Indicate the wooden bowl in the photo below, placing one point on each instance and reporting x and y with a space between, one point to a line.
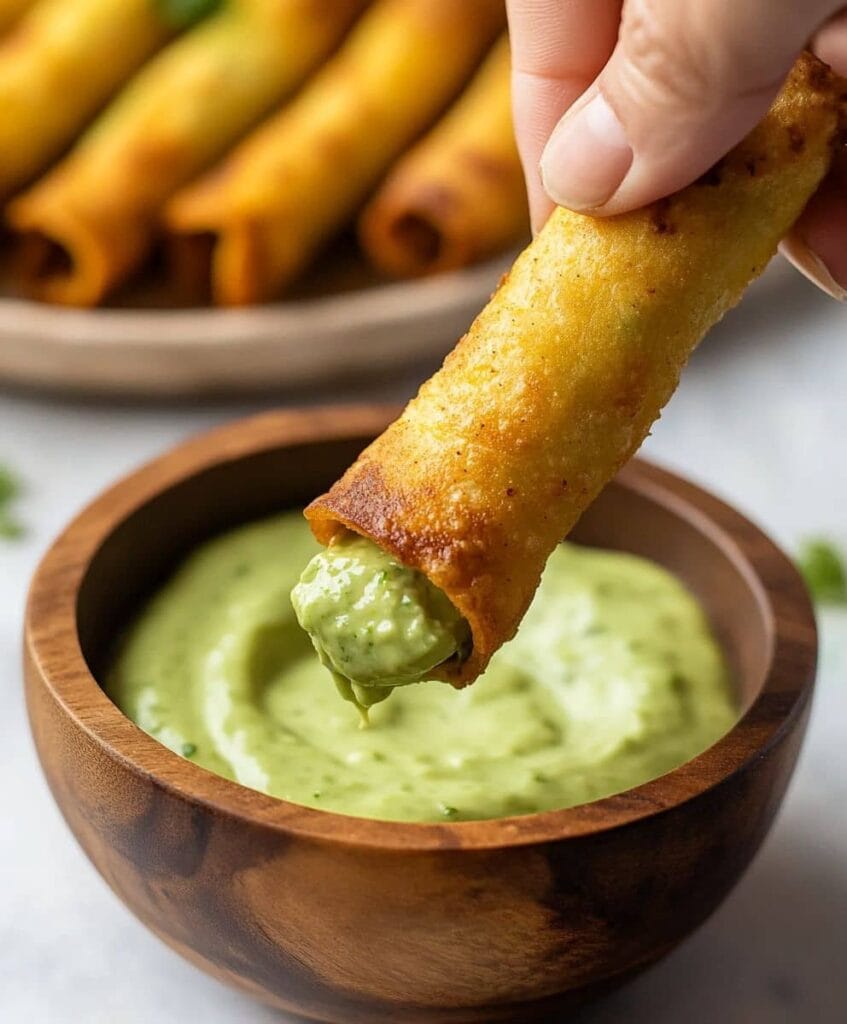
347 919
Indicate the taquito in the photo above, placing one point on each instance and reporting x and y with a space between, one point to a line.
11 10
90 221
560 377
280 194
58 65
459 195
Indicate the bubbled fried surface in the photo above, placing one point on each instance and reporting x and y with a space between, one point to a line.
558 380
458 196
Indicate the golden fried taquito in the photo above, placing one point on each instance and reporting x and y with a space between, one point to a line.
58 65
11 10
560 377
459 195
258 219
89 222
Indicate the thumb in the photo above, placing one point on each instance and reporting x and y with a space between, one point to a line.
688 79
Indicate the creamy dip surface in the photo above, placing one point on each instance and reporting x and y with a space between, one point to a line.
613 679
375 623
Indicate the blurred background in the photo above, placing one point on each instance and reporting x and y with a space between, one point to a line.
212 208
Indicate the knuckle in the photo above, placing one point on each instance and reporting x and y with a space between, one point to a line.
664 61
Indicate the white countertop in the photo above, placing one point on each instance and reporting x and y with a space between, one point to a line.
761 418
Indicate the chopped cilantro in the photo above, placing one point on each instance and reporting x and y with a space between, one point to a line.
822 565
180 14
189 749
448 812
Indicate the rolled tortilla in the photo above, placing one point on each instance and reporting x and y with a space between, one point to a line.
89 223
459 195
557 382
11 10
58 65
280 194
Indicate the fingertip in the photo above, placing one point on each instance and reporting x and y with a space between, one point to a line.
587 157
830 43
557 52
817 245
798 253
540 208
538 105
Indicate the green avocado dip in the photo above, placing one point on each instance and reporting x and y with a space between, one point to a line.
375 622
613 679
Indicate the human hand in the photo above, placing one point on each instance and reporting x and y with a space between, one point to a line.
619 103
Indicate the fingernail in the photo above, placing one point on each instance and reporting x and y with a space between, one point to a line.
586 157
799 255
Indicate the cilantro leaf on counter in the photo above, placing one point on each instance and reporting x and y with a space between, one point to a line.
823 567
10 488
180 14
10 529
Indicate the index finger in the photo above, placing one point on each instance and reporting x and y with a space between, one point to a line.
558 49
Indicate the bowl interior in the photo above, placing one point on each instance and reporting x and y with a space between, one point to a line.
634 513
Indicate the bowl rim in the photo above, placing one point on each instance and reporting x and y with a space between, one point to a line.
165 353
52 651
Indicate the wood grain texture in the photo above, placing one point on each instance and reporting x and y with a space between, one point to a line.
345 919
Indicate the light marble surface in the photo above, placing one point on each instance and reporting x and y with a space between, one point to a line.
761 417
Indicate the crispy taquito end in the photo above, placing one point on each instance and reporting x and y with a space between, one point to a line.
58 65
89 222
11 10
277 198
459 195
560 377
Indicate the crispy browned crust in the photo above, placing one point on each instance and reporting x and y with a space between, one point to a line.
560 377
88 223
303 173
11 10
59 63
458 196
